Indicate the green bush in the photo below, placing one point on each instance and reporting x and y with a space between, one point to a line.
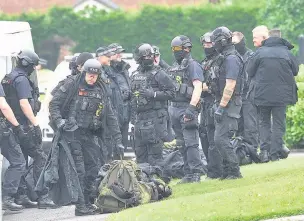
155 25
295 116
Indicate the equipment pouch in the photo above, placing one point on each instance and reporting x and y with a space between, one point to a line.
177 87
189 92
183 89
234 107
162 125
84 105
148 132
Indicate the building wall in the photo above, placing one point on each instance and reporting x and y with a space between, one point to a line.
91 3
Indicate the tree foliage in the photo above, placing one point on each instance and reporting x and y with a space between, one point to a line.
155 25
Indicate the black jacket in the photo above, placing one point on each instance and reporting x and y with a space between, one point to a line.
272 70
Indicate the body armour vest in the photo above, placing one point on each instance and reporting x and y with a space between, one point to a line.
89 107
181 78
12 98
146 80
217 80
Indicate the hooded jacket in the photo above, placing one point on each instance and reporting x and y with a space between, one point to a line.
272 70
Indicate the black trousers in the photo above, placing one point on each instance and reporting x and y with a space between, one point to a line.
272 129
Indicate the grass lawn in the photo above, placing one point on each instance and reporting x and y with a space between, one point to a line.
268 190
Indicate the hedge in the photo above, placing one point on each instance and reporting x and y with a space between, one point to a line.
155 25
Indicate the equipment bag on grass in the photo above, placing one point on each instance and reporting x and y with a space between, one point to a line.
122 187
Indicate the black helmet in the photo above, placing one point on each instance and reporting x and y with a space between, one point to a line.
92 66
222 35
206 38
28 57
83 57
156 50
72 63
143 50
181 41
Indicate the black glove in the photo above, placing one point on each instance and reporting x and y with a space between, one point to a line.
22 136
120 149
191 112
219 113
60 123
37 135
147 93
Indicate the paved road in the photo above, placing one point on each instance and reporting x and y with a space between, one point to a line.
62 214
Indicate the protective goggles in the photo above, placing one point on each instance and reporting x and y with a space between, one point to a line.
205 39
177 48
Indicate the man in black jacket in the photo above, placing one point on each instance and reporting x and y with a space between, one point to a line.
273 87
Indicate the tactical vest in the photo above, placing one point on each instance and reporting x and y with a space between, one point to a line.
12 98
181 78
211 72
89 108
145 80
217 79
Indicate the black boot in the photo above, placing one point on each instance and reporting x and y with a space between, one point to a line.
9 204
186 179
264 156
25 201
44 202
196 178
82 210
284 152
234 177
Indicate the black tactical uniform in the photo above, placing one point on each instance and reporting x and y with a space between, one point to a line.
11 150
207 126
89 113
184 72
226 125
18 86
151 89
248 123
121 94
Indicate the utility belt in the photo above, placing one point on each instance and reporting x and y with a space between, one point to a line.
154 105
146 115
179 104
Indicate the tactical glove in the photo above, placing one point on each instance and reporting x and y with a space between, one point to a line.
219 113
37 135
147 93
60 123
19 132
191 112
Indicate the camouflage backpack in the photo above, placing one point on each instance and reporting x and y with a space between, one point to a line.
122 188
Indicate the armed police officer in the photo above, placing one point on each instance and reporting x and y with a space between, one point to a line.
248 123
22 96
151 89
207 126
89 113
187 75
228 97
121 93
103 55
11 150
